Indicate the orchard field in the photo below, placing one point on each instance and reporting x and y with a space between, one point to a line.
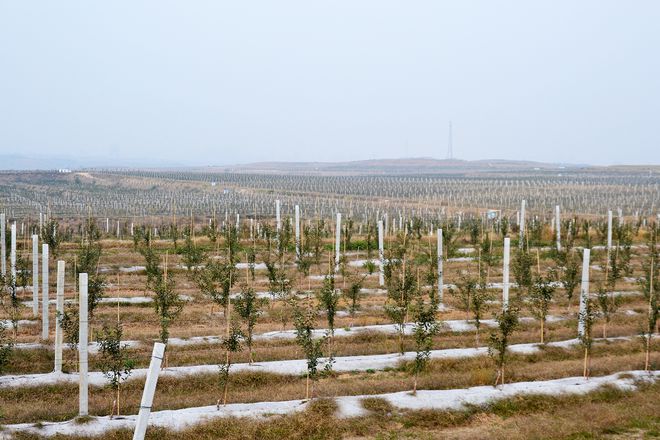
477 305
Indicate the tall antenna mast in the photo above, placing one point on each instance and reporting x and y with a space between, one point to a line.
450 147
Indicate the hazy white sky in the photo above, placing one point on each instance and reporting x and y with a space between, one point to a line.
221 82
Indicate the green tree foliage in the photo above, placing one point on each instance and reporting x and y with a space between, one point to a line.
426 327
540 299
466 287
353 294
50 234
328 298
587 316
232 343
114 360
191 254
401 287
87 261
313 348
608 305
523 261
215 280
570 275
507 323
649 285
6 346
249 308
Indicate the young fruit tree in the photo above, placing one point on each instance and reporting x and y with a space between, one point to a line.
608 305
540 298
328 298
9 301
507 322
522 270
587 317
478 303
87 261
249 309
167 304
215 280
113 360
313 348
649 285
6 345
232 343
570 275
52 236
426 327
353 295
466 286
401 286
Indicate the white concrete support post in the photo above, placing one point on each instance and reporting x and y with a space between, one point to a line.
149 391
505 273
35 275
44 291
337 241
3 244
558 227
238 222
609 229
440 273
83 385
278 220
297 219
381 254
522 223
59 307
584 291
107 225
12 254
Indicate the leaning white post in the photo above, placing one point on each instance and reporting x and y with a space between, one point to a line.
149 390
3 245
440 279
35 275
381 254
505 273
337 240
558 227
297 232
12 254
59 308
584 291
82 346
44 291
609 229
522 223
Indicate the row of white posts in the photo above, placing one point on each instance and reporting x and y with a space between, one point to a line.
83 335
83 342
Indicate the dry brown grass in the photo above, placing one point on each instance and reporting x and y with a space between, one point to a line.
26 404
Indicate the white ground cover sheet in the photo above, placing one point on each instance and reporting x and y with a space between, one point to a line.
348 406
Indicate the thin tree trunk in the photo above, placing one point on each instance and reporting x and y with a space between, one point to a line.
584 369
307 386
